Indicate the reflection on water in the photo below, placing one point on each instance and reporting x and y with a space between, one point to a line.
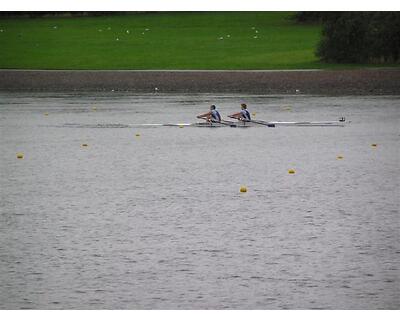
153 218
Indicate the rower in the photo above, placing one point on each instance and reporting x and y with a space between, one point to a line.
243 115
211 116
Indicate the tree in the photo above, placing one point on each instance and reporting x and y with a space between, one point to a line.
360 37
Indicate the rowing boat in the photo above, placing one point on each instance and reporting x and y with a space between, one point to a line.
241 124
234 124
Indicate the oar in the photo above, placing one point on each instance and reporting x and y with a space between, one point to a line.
227 123
264 123
224 122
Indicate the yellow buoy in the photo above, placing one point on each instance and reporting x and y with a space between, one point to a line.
339 157
84 144
94 108
253 114
46 114
374 145
291 171
181 126
243 189
20 155
137 134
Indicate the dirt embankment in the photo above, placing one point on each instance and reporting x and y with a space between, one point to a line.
332 82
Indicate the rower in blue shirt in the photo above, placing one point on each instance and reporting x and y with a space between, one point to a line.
243 115
211 116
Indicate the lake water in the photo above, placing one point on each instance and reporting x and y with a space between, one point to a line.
157 221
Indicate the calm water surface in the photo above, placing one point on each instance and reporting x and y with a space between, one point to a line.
157 221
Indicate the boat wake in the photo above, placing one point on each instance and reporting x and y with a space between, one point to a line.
98 125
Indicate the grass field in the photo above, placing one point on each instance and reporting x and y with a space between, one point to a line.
198 40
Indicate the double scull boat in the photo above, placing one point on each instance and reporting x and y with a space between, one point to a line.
250 123
233 124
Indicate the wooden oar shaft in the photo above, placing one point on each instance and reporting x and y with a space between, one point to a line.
224 122
264 123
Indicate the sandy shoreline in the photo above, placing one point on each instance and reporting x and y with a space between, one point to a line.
332 82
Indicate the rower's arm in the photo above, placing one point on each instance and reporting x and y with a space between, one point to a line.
235 115
207 115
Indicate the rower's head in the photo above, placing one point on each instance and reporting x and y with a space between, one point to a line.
244 106
212 107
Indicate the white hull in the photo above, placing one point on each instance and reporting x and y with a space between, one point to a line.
263 124
227 124
310 123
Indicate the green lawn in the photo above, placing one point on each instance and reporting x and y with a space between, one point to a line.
197 40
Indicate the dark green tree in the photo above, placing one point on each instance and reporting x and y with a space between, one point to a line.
360 37
383 36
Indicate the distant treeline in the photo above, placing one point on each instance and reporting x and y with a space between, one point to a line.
356 37
309 16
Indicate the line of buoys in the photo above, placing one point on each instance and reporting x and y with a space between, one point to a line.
20 155
292 171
